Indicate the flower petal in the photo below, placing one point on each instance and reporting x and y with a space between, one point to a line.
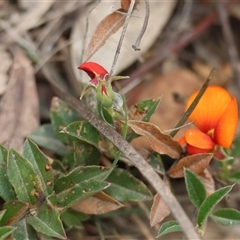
210 108
196 138
93 69
194 150
227 125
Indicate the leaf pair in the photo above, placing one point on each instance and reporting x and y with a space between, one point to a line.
205 204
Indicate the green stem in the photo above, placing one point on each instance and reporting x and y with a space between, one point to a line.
192 106
99 228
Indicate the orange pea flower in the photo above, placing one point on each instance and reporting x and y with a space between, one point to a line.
216 117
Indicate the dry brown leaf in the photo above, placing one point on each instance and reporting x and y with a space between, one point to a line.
159 142
159 209
99 203
196 163
19 108
207 179
106 28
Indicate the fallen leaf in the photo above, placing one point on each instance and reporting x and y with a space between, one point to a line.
196 163
207 179
107 27
161 143
99 203
159 209
19 110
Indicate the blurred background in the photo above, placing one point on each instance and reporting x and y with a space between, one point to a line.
184 41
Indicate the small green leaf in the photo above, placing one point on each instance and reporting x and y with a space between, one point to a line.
3 154
169 227
235 148
6 189
1 214
47 222
81 174
79 191
14 211
235 177
45 137
61 116
82 154
23 178
84 131
210 202
155 161
125 187
6 231
24 231
226 217
73 218
41 166
195 188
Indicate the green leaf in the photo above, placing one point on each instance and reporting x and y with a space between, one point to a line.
169 227
235 177
82 154
235 148
6 231
45 137
84 131
195 188
125 187
3 154
79 191
24 231
81 174
226 217
73 218
2 214
6 189
23 178
155 161
47 222
14 211
143 111
80 184
210 202
61 116
40 165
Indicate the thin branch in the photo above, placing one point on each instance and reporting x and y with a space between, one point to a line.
144 27
127 150
129 13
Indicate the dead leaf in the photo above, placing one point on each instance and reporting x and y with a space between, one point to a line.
159 142
19 109
207 179
99 203
106 28
159 209
196 163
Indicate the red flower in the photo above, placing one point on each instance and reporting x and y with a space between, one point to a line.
95 71
216 117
